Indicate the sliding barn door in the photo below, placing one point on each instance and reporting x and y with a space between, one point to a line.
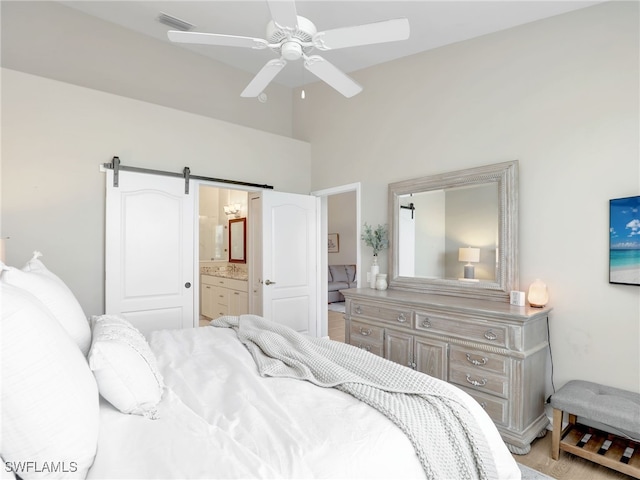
285 257
149 257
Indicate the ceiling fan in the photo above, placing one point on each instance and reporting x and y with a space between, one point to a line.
293 37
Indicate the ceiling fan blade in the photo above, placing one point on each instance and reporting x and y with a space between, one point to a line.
283 13
216 39
368 34
263 78
331 75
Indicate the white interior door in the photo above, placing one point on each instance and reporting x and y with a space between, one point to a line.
285 258
149 251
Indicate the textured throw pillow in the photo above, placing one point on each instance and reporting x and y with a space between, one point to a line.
49 398
55 295
124 366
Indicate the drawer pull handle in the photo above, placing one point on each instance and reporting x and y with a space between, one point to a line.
426 323
489 335
358 309
364 332
402 318
476 383
412 365
482 361
483 405
365 347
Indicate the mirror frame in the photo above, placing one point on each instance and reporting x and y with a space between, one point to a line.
243 222
506 176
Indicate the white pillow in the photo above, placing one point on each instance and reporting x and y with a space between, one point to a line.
124 366
49 398
55 295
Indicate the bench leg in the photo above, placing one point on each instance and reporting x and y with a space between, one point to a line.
555 434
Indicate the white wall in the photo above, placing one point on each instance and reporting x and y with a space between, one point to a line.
52 40
560 95
341 219
56 135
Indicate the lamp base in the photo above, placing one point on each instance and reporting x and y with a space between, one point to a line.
469 271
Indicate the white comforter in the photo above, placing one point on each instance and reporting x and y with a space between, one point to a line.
220 419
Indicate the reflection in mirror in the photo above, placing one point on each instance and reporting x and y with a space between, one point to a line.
238 240
456 233
211 239
434 225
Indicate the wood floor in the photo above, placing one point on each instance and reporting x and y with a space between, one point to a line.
567 467
336 326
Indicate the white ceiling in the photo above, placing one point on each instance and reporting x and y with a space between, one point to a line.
433 24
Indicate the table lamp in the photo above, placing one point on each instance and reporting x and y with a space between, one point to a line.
470 255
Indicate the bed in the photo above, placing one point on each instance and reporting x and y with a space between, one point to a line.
97 400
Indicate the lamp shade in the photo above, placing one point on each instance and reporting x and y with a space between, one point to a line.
538 294
469 254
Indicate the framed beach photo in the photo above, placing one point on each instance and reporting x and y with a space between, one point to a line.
624 240
334 246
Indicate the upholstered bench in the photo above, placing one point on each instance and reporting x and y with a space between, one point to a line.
611 407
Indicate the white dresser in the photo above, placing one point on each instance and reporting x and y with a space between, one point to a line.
494 351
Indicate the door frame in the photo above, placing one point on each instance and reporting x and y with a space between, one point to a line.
196 183
324 194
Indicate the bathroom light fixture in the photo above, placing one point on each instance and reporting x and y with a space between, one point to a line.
233 209
469 255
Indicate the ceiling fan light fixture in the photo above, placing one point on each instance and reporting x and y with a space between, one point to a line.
291 50
293 37
175 23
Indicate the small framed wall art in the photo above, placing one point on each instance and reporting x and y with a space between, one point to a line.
334 245
624 240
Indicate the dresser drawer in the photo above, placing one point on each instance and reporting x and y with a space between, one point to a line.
375 348
474 331
386 314
481 381
497 408
478 361
368 333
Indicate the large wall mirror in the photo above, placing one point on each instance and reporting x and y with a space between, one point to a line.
238 240
456 233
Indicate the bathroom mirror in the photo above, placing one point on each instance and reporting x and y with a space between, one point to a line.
238 240
456 233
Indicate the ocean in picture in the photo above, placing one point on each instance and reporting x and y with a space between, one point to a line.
624 266
624 240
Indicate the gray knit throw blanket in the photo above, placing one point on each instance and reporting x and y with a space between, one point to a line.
444 434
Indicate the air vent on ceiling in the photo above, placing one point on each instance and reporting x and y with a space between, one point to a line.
174 22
